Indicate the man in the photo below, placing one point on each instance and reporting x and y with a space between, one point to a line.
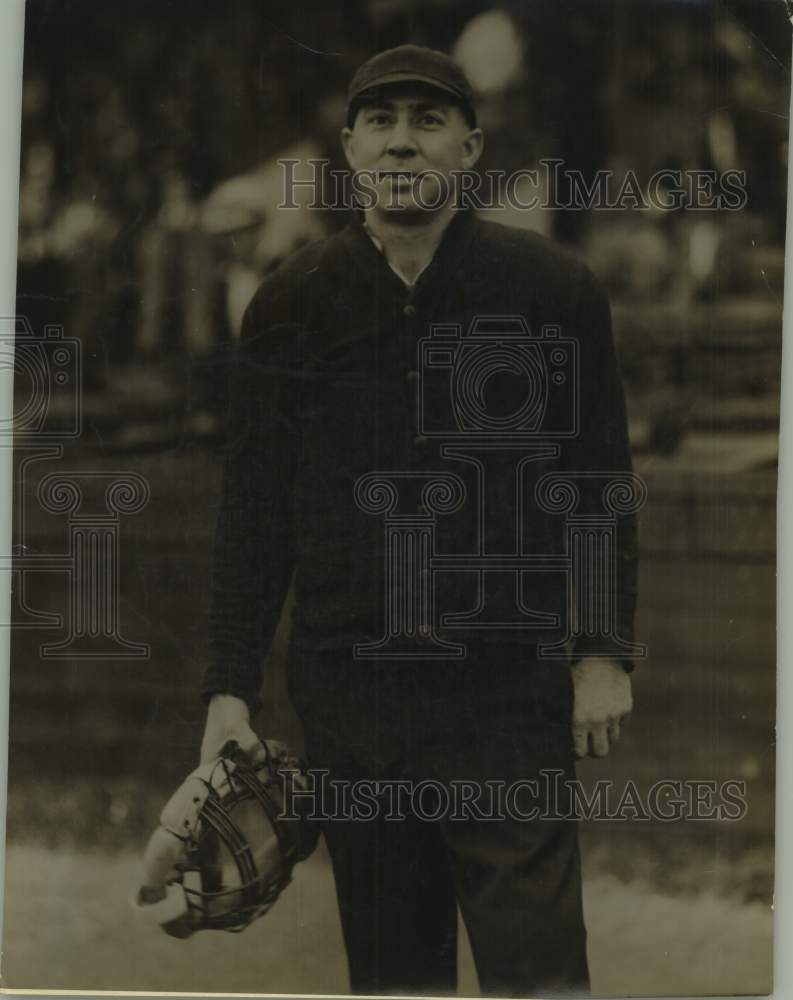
325 399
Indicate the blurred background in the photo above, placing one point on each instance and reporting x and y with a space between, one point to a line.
149 187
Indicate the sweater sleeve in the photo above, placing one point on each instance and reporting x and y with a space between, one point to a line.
602 445
254 550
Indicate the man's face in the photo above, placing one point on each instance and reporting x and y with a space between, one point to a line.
411 138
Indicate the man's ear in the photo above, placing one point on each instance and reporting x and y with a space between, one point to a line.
348 145
473 144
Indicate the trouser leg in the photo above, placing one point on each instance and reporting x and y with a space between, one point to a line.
396 898
519 888
518 878
397 906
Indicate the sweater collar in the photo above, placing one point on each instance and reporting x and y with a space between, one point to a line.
409 285
452 250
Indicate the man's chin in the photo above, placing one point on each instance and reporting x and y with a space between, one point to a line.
401 206
406 203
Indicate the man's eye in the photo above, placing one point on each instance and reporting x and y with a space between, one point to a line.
378 118
431 119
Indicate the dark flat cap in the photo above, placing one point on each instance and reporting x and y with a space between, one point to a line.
412 64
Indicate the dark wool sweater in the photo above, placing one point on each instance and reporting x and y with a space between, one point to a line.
327 388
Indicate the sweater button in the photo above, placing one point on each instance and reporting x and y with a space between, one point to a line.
413 376
409 311
421 441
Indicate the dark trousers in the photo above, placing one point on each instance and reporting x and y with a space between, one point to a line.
470 730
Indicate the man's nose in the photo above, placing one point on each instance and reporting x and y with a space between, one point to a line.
401 141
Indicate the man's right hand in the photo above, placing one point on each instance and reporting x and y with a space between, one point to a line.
228 718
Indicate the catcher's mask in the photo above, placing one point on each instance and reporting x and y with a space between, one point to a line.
223 851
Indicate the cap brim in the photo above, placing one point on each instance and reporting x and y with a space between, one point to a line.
405 76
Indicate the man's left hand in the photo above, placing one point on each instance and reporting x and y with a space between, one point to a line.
603 699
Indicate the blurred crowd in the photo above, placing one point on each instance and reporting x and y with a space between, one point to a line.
149 178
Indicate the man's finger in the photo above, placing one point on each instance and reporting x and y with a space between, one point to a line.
614 730
581 740
216 737
600 740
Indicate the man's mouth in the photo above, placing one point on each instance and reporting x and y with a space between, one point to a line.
398 176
